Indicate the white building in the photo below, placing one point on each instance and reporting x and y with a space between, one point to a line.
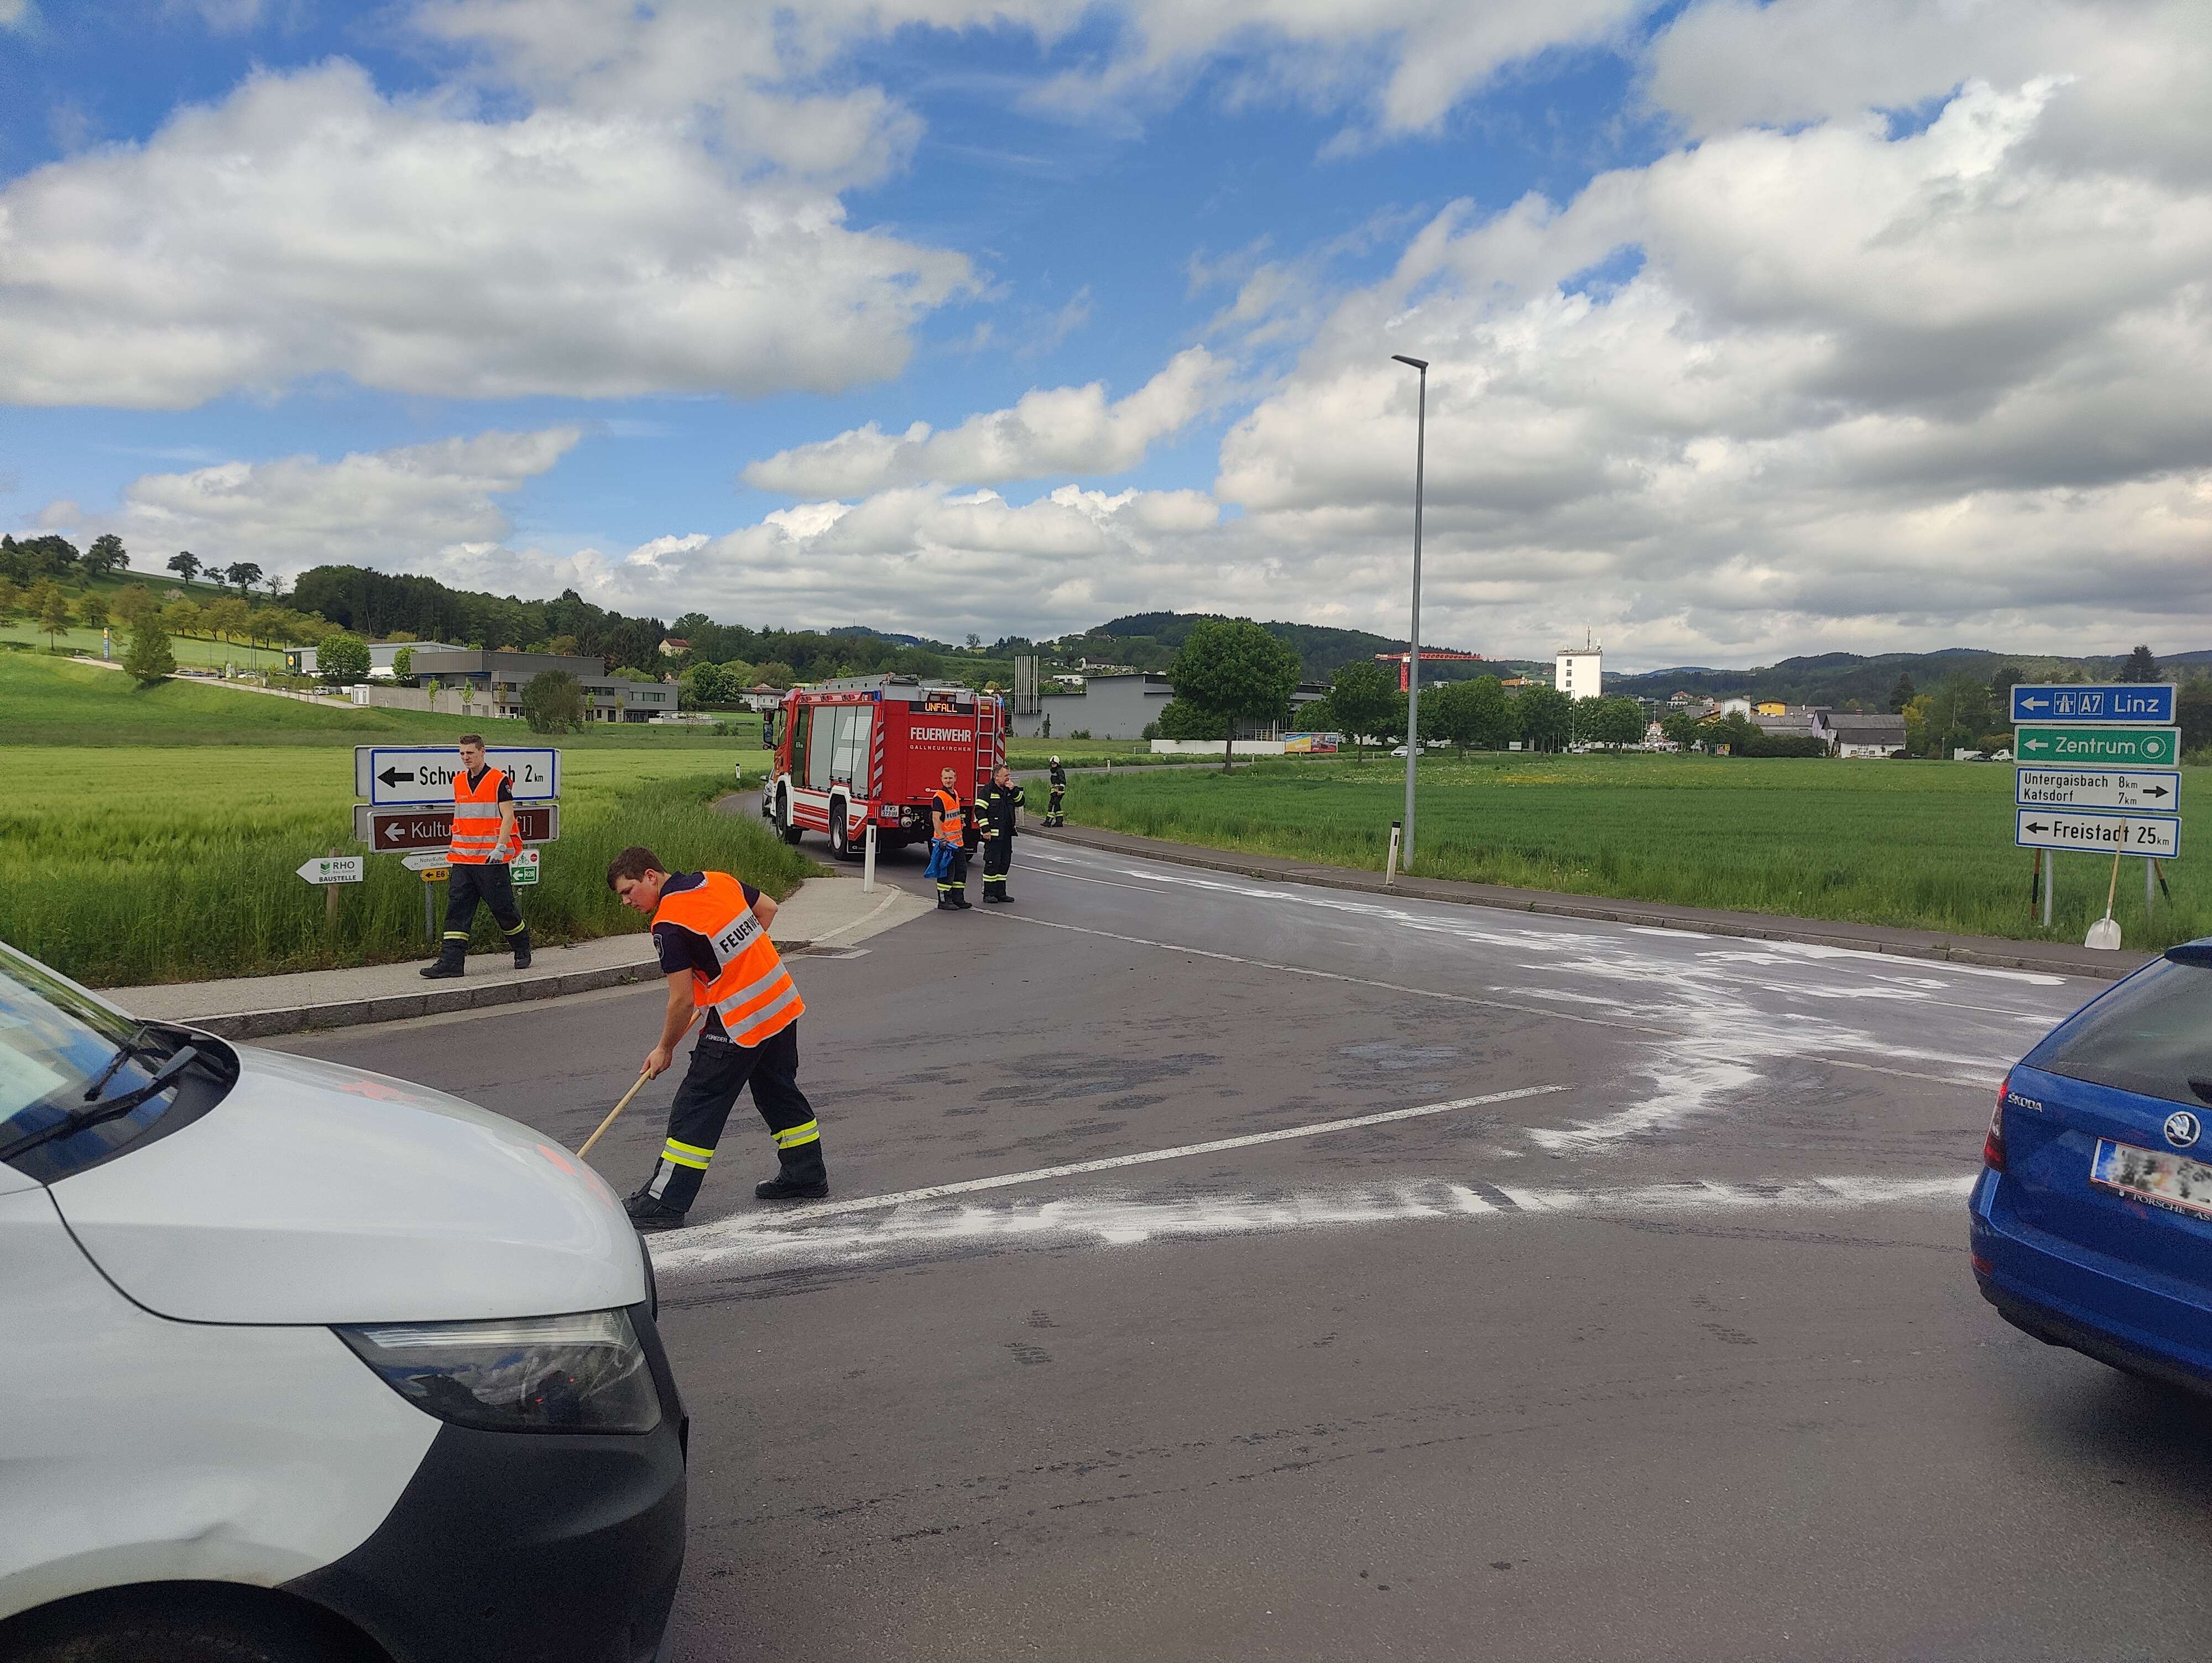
1577 670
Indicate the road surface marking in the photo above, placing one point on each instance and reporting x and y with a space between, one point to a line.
916 1229
1337 975
1107 1164
870 917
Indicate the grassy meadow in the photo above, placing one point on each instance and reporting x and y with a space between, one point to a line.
152 837
1918 845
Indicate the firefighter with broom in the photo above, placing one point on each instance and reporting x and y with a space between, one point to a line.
710 931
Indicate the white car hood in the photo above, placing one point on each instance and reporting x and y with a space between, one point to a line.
314 1194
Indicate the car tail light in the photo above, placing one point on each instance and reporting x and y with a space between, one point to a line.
1993 1145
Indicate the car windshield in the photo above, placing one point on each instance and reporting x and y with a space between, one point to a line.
55 1044
2151 1035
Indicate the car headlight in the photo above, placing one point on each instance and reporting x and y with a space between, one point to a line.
585 1373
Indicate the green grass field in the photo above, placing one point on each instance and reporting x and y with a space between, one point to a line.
1918 845
154 836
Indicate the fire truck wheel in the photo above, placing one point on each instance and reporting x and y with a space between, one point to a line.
840 836
784 822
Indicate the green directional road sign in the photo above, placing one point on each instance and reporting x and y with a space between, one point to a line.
2108 747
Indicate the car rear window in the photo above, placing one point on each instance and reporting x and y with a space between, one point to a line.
2152 1034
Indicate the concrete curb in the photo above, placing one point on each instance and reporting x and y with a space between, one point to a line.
432 1001
1990 952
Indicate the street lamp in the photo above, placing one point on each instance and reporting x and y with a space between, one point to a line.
1414 642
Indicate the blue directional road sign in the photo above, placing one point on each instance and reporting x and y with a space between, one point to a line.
2148 702
404 774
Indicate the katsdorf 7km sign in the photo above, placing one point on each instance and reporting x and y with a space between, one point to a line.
2147 703
2158 835
386 830
2139 791
425 773
2101 747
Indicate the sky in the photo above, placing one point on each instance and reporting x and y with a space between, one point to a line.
1755 330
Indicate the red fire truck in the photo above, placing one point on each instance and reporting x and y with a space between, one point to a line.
870 749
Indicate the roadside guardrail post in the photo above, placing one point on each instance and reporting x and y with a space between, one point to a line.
1390 865
868 862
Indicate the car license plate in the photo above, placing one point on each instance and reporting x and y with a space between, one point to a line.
2172 1181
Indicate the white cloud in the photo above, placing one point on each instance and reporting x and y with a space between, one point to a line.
308 225
1860 390
1056 430
386 508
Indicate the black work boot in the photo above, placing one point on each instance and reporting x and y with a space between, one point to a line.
800 1176
944 901
648 1213
448 966
522 950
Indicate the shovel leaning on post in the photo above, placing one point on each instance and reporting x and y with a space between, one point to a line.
2105 934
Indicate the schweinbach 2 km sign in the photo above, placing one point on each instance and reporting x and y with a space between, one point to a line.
402 776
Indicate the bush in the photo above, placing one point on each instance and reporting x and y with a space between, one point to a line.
149 659
1084 732
553 702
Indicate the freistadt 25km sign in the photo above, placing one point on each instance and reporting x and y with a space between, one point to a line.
2102 747
2158 835
2148 702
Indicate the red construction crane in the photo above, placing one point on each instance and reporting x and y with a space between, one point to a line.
1429 655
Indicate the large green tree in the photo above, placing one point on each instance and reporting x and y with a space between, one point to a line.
1233 669
1360 696
1497 720
2140 667
148 657
186 564
53 611
106 556
1548 717
340 659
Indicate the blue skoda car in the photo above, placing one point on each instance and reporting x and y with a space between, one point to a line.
2092 1221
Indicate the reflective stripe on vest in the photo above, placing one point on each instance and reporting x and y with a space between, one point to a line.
956 823
476 821
750 991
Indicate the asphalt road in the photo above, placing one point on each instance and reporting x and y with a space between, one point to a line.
1652 1337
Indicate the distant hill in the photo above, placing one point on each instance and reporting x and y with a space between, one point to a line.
1845 679
1150 641
861 632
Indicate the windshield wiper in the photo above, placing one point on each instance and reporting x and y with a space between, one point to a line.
78 1120
135 1047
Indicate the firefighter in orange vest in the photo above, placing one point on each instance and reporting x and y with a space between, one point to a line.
484 839
948 827
710 931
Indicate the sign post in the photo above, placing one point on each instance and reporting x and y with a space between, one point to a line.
2097 768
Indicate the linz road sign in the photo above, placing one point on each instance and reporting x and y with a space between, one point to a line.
2140 791
425 773
2158 835
2099 747
2147 703
386 830
338 869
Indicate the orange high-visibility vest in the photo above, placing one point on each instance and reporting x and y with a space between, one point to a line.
956 823
750 990
476 838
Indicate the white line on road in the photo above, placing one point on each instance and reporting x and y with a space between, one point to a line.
1113 1221
931 1192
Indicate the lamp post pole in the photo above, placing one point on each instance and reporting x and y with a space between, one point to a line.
1413 640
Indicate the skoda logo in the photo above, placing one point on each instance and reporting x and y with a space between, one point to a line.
2182 1129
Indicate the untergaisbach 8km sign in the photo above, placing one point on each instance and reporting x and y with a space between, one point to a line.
2142 791
404 774
2101 747
2150 703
